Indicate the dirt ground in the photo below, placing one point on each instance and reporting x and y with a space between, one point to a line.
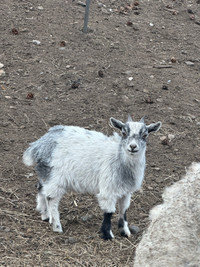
140 57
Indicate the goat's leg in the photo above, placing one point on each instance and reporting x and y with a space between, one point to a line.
108 207
53 195
124 203
106 227
42 206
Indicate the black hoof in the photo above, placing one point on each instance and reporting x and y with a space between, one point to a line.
122 233
46 220
106 236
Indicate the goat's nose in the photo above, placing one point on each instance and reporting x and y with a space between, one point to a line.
133 147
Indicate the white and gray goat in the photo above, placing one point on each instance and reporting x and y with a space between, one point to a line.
70 158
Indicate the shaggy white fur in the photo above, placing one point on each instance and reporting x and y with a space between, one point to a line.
173 236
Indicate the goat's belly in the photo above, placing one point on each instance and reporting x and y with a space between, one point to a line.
83 185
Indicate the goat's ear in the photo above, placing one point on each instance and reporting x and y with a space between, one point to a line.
116 123
154 127
129 118
142 120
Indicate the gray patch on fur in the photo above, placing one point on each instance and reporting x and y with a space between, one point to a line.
43 170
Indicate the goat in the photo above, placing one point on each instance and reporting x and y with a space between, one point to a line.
71 158
173 236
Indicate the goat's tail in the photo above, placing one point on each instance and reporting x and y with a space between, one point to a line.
28 157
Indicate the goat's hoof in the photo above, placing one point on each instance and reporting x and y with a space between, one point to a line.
57 228
107 235
46 220
122 233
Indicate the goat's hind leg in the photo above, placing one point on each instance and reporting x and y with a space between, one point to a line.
42 204
53 198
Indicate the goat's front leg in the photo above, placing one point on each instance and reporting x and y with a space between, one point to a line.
108 207
106 227
124 204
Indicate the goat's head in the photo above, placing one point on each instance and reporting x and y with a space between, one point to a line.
134 134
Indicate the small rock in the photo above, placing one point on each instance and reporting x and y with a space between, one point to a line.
164 87
174 12
100 5
100 73
71 240
135 27
165 141
2 73
40 7
15 31
183 52
192 17
85 218
128 72
160 100
30 96
189 63
36 42
129 23
149 100
190 11
134 229
173 60
1 65
62 43
130 78
151 24
171 137
8 97
81 4
75 84
104 11
7 229
131 84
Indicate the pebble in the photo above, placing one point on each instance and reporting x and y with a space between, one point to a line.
151 24
36 42
100 73
164 87
81 4
71 240
40 7
1 65
100 5
2 73
131 84
134 229
85 218
189 63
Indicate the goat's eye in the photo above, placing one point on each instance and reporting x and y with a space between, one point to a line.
144 136
124 134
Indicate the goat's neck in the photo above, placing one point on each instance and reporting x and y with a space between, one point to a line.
131 160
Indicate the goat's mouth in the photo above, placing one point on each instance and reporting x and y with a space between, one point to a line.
132 152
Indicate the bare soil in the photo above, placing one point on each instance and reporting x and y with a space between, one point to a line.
140 58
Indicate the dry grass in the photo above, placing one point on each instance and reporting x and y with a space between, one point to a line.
27 241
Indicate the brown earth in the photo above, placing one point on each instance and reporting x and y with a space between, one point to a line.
150 41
